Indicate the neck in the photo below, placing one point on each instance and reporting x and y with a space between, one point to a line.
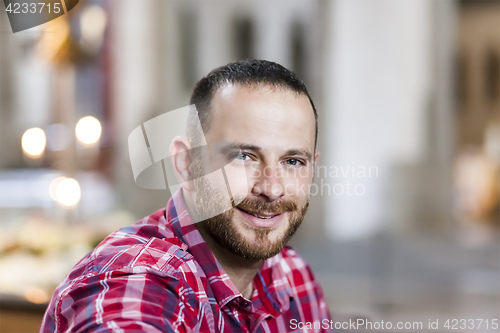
241 271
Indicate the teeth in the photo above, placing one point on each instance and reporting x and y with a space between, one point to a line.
263 217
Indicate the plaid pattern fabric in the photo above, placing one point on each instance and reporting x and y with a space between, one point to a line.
159 275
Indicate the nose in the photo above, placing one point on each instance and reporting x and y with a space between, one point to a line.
269 183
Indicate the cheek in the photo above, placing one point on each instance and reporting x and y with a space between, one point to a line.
297 184
238 182
214 183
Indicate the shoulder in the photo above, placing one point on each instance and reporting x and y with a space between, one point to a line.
296 268
143 269
289 252
148 246
292 260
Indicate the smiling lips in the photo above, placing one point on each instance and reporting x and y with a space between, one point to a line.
261 219
262 215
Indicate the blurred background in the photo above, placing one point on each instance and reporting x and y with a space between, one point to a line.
404 225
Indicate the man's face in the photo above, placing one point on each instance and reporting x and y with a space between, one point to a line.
268 133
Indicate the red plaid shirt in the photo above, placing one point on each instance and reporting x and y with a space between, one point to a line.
159 275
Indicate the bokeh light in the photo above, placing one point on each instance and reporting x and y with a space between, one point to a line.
53 187
36 295
92 24
88 130
65 191
33 142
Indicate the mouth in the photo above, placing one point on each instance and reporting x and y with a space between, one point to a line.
261 219
260 215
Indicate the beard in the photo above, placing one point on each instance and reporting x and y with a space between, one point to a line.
222 227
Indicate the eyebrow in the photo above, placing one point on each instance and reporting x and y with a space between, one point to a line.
303 152
240 146
290 152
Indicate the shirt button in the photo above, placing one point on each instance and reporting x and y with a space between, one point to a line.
245 304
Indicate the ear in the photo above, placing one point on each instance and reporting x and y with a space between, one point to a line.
181 161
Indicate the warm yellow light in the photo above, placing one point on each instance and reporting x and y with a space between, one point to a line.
36 295
33 142
88 130
65 191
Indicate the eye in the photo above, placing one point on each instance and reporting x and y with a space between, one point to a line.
242 157
293 161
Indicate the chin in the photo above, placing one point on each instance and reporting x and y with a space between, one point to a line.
261 243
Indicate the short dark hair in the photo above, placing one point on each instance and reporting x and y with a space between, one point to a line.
249 72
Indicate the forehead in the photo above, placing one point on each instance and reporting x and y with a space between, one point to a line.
265 116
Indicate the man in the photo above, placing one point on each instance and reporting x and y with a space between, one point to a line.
216 259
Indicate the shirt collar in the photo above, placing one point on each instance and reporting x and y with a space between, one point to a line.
223 288
271 273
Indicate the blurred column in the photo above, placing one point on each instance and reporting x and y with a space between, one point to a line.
273 24
214 30
377 90
174 62
442 119
136 90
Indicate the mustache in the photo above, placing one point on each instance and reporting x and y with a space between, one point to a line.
260 206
